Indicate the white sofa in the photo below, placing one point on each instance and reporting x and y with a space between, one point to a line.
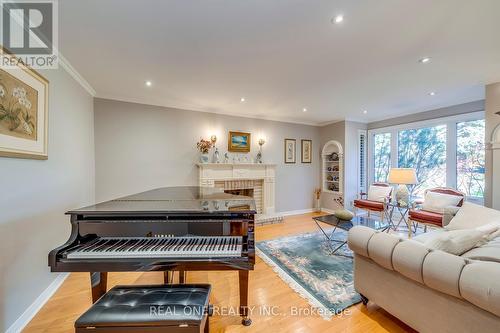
429 290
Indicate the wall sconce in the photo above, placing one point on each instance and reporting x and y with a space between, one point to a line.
213 138
258 159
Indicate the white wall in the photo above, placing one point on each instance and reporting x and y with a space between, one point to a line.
35 194
351 161
492 106
140 147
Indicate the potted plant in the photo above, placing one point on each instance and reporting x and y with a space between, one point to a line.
204 146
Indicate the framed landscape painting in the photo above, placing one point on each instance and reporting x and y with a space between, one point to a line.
290 150
306 151
238 142
23 112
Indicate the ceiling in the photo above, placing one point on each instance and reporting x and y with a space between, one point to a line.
285 55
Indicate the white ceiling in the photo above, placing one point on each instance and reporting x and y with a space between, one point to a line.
284 55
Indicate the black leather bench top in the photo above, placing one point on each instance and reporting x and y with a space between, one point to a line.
152 305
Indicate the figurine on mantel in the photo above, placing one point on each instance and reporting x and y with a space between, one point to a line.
216 156
226 158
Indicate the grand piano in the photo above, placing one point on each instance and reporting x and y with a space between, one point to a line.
167 229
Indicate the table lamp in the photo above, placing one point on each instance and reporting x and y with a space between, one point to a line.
402 177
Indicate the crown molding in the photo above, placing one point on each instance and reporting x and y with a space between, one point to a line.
75 75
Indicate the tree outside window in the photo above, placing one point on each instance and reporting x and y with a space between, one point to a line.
381 156
425 150
471 157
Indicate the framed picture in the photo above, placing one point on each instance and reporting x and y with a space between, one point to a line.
23 112
306 149
238 142
290 150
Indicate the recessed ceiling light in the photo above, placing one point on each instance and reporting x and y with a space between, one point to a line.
242 99
432 93
425 60
304 110
149 83
365 111
338 19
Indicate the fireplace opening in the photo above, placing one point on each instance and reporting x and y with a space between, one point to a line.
242 191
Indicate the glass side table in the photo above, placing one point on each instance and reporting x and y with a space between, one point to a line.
336 223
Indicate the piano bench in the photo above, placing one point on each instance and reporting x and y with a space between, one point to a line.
176 308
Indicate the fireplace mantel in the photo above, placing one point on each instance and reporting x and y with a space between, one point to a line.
210 173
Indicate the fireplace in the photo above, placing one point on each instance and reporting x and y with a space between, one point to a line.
250 179
249 188
248 192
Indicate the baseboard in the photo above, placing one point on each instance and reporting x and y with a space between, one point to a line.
326 210
295 212
33 309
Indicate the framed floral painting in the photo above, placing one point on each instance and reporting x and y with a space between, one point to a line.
23 112
290 150
306 151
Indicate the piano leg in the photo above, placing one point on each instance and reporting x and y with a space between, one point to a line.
243 275
182 277
98 282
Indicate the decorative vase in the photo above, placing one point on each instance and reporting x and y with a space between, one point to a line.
317 205
204 157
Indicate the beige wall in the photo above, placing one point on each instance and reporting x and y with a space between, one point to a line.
140 147
35 195
492 105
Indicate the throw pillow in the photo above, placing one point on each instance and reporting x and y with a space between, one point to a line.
457 241
473 216
437 202
378 193
343 214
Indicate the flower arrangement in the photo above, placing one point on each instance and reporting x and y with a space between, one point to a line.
317 193
204 146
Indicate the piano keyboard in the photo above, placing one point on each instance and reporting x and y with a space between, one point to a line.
159 247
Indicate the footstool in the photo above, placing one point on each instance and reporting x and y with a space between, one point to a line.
177 308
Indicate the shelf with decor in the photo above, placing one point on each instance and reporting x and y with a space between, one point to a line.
332 158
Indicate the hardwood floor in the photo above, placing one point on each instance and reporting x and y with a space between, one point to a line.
266 289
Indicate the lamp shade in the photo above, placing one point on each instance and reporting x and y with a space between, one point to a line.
406 176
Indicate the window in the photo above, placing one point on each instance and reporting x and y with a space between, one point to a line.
425 150
381 156
470 157
448 151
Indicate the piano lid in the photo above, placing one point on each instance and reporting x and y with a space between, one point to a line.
183 199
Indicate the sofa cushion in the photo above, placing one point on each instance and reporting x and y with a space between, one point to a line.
372 205
441 271
480 285
436 202
487 252
425 216
456 241
473 216
424 237
358 238
381 247
408 257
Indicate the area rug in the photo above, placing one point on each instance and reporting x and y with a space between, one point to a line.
304 262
